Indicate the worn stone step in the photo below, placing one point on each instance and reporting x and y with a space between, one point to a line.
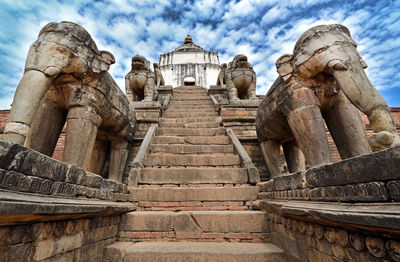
192 251
164 131
242 193
192 160
190 107
205 110
194 102
190 119
192 140
207 140
190 125
168 140
191 98
191 149
193 175
189 114
199 221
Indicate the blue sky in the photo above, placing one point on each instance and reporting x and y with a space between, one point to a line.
261 29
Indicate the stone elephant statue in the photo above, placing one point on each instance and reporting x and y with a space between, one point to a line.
324 79
140 82
66 81
221 75
240 79
159 79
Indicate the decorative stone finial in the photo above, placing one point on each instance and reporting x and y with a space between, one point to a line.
188 40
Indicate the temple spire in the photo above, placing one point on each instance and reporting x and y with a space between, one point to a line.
188 40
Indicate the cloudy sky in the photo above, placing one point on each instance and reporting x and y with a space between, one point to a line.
261 29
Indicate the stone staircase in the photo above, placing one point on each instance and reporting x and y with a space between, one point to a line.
194 200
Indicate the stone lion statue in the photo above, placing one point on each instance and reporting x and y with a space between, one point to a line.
159 80
221 75
140 81
240 79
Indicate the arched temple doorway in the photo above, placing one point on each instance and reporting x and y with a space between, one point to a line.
189 81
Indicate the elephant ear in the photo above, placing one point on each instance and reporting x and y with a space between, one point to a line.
285 67
102 63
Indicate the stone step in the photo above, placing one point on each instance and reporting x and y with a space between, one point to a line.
190 125
193 175
192 160
165 131
196 222
190 98
190 107
196 103
191 89
189 119
242 193
201 110
191 149
193 140
194 93
188 114
192 251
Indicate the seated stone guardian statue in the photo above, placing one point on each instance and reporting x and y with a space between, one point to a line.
221 75
140 82
159 79
240 79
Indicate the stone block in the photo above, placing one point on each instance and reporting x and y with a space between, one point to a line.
291 181
147 221
50 247
111 186
92 180
116 251
192 160
193 175
379 166
20 182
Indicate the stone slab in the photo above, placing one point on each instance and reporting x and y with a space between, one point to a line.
195 194
189 114
379 166
203 252
168 140
207 221
192 160
164 131
207 140
190 125
190 119
17 207
382 217
193 175
191 149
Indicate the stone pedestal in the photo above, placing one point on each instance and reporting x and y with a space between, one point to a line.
220 93
163 92
147 113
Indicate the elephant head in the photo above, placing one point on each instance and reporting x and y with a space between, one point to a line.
330 49
63 47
